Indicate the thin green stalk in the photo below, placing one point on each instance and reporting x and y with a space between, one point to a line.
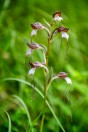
9 121
45 86
48 51
44 105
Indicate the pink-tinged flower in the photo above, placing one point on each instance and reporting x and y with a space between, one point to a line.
63 31
63 75
57 16
35 66
37 26
34 46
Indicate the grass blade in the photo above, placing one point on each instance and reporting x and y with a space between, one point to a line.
26 109
39 92
9 120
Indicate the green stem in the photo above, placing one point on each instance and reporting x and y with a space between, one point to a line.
48 50
45 86
44 105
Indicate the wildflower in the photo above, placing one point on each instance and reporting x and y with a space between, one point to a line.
64 31
35 66
34 46
63 75
37 26
57 16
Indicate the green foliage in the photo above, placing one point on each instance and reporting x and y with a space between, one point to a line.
70 105
9 120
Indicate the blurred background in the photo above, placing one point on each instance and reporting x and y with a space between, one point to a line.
70 104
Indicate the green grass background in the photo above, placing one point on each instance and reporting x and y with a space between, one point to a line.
70 105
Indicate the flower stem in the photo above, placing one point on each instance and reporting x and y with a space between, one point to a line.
44 105
45 86
48 50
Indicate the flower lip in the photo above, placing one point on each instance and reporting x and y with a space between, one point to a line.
57 13
62 75
62 29
37 25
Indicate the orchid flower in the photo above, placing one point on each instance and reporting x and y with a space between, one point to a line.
34 46
63 75
64 31
57 16
37 26
35 66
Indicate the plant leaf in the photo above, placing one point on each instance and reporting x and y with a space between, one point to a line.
39 92
9 121
26 109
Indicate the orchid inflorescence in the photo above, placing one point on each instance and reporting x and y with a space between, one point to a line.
34 46
48 73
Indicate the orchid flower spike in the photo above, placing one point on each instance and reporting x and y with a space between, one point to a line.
35 66
63 75
37 26
34 46
63 31
57 16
